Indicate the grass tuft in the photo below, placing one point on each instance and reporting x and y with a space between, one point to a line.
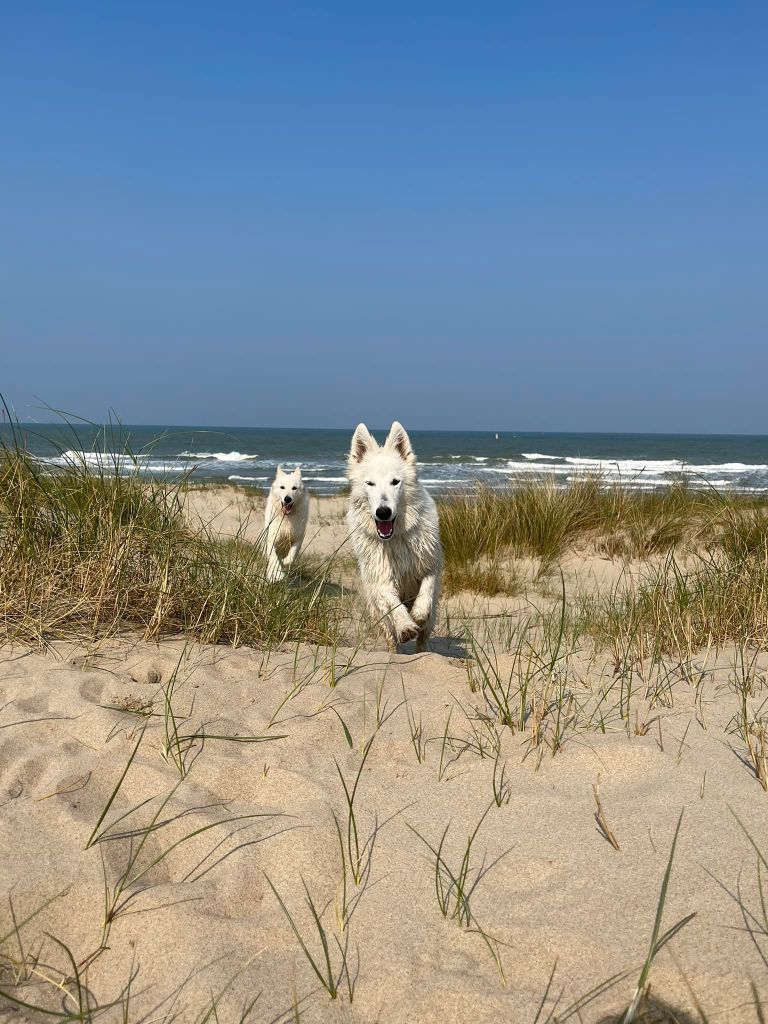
87 555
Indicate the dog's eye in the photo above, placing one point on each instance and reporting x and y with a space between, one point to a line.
370 483
394 482
282 487
293 488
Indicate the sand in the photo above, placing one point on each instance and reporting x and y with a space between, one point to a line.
204 919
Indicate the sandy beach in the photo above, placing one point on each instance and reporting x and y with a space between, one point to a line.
168 811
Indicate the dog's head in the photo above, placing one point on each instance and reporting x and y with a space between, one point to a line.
287 490
382 477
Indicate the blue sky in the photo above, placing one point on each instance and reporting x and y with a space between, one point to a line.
531 216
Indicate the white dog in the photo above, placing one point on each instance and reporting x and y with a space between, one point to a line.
285 521
395 532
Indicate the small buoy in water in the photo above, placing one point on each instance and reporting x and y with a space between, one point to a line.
497 437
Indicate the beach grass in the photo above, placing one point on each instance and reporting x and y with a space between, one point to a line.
88 554
709 600
483 529
694 564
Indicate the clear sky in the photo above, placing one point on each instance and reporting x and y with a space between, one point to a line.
518 215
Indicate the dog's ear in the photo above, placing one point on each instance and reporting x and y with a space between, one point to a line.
362 443
399 440
297 472
279 470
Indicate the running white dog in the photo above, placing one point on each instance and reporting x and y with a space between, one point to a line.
395 532
285 521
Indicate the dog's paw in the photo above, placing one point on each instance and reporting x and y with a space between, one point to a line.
406 633
420 615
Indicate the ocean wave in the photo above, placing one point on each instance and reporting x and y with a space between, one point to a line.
324 470
109 463
631 472
97 459
218 456
525 468
663 466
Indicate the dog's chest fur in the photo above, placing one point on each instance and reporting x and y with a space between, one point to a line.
285 530
412 553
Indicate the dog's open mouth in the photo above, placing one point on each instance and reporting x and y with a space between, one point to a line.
287 509
385 529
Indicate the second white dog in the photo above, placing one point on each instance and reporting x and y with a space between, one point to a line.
285 521
395 532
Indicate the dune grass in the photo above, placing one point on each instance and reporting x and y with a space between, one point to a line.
87 554
702 577
716 598
484 528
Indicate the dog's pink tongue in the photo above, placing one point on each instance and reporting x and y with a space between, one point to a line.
385 529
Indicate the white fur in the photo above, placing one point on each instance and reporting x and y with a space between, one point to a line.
284 534
401 575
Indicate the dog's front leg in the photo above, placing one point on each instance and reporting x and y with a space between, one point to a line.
292 553
425 607
389 605
274 568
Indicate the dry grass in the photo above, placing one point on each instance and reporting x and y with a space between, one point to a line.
482 577
602 822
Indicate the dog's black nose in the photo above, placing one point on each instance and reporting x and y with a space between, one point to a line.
383 513
287 500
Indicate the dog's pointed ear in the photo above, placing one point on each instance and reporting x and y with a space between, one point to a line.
399 440
362 443
279 470
297 472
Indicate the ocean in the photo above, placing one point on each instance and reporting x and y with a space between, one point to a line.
449 460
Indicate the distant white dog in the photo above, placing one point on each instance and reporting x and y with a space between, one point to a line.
395 532
285 521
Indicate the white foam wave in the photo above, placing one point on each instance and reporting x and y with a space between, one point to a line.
99 460
446 473
218 456
530 468
444 480
631 472
652 466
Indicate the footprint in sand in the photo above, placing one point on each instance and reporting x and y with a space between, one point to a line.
92 689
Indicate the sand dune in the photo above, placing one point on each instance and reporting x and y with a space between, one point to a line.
553 893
